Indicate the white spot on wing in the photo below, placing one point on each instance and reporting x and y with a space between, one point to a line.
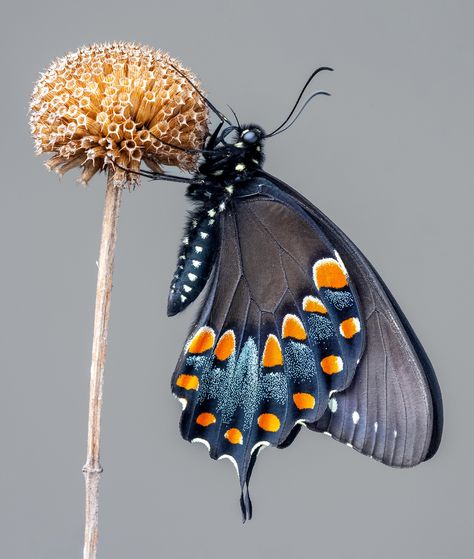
196 263
197 248
355 417
332 405
192 277
376 426
204 235
187 288
202 441
182 401
232 459
341 263
259 447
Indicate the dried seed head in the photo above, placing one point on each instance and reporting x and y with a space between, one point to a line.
113 103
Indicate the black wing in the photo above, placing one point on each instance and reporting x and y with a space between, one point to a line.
393 409
281 333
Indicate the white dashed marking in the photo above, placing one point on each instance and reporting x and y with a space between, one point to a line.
332 404
202 441
232 459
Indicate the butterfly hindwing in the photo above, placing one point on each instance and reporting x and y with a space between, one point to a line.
280 329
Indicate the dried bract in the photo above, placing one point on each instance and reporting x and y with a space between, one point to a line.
111 104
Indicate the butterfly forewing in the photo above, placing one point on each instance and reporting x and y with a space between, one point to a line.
392 410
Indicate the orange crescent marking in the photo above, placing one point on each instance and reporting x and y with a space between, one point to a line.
304 401
349 327
202 341
313 304
272 355
329 273
268 422
188 382
293 328
205 419
225 346
234 436
331 364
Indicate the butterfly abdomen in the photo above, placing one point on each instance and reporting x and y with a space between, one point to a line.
195 260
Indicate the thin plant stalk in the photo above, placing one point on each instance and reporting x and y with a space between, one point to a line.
92 468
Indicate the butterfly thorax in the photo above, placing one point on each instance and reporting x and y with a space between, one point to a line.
229 159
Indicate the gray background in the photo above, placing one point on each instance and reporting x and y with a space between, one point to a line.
388 157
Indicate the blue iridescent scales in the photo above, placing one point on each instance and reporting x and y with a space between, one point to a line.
238 398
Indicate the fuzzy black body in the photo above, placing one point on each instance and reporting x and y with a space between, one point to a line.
225 167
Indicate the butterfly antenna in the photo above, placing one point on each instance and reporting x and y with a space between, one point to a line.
308 81
235 116
221 116
310 98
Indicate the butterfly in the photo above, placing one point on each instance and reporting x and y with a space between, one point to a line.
296 326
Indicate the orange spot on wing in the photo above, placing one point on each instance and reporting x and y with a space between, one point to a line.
329 273
225 346
205 419
313 304
304 401
272 352
349 327
332 364
202 341
293 328
234 436
268 422
188 382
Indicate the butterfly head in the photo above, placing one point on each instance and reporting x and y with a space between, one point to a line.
252 135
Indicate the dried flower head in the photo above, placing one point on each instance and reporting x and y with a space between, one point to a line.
109 104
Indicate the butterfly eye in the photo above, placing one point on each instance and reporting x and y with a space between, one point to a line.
250 137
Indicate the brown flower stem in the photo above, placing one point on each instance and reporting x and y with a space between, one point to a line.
92 468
